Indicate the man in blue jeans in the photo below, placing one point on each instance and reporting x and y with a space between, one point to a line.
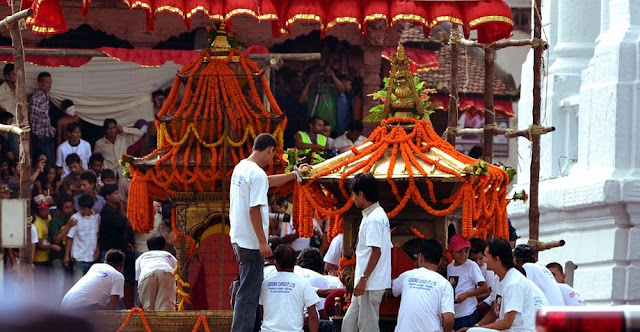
248 215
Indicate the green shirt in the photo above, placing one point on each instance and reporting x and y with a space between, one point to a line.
55 228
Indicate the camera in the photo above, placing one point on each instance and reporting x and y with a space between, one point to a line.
284 217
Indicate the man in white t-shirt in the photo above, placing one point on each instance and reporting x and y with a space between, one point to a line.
525 256
516 302
373 258
353 137
333 255
570 296
467 281
249 219
286 295
427 297
102 286
154 273
74 144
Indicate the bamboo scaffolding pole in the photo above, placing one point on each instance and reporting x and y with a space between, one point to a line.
489 114
534 43
534 180
10 20
11 129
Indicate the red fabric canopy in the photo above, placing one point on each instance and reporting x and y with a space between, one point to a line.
419 60
144 57
491 18
474 105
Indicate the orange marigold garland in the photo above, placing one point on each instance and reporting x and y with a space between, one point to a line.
145 323
482 197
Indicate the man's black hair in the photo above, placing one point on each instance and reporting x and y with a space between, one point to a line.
8 68
107 174
89 176
367 184
500 248
431 250
312 121
477 245
66 104
114 257
107 121
524 253
264 141
475 152
157 242
96 157
157 93
85 201
5 116
43 75
555 265
108 189
72 158
285 256
520 269
274 242
72 126
311 258
355 125
63 198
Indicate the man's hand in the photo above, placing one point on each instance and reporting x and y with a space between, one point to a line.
66 261
72 222
461 298
55 247
360 287
464 329
265 250
304 169
119 129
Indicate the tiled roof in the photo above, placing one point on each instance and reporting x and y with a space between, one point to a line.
470 75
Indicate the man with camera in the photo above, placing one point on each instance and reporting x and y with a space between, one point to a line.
321 91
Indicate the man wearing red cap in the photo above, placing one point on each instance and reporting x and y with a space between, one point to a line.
467 282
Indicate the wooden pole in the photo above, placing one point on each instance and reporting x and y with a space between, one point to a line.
22 113
534 42
534 212
10 20
489 115
225 201
452 119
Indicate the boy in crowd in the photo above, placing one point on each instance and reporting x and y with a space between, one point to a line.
525 256
74 164
477 255
88 187
373 257
41 256
74 144
58 229
517 299
570 296
284 296
108 177
102 286
82 239
95 165
154 273
467 282
427 297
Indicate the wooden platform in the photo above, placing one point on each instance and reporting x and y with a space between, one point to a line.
162 321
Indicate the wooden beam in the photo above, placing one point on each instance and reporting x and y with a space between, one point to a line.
534 43
508 133
452 120
9 20
489 114
97 53
11 129
534 179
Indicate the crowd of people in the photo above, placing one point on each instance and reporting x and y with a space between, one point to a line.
80 231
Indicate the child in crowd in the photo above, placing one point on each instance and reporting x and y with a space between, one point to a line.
154 273
41 257
108 177
476 254
74 163
82 239
467 282
58 229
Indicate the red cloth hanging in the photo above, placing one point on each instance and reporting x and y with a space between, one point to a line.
474 105
420 60
47 17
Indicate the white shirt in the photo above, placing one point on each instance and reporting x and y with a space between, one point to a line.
154 260
298 244
283 298
8 98
316 280
426 295
517 293
570 296
95 287
334 253
249 186
85 236
492 282
333 281
83 150
543 278
34 234
374 232
342 143
269 271
112 151
464 277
